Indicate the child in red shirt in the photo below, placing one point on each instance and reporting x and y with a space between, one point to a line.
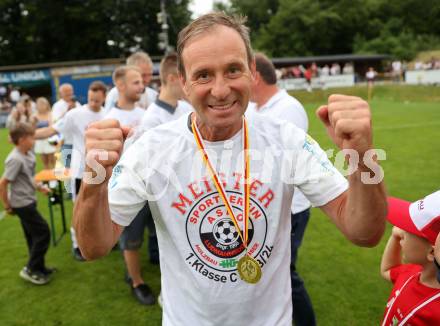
415 298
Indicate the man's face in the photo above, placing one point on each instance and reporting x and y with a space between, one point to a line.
146 73
95 100
66 93
132 86
217 78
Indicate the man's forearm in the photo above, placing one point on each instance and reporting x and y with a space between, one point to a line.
365 210
95 231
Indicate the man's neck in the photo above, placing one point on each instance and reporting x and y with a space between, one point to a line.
429 277
212 134
266 95
166 96
125 104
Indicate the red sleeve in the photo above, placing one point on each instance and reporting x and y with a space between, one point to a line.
405 269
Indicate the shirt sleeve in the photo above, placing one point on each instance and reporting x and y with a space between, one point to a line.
298 116
311 170
68 123
127 188
149 120
12 168
59 126
403 269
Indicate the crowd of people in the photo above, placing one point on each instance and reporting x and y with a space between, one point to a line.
313 70
184 164
433 64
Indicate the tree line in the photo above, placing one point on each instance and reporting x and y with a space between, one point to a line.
400 28
35 31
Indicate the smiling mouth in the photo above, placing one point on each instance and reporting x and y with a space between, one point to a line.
222 107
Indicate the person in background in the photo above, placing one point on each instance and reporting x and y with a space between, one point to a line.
18 176
42 146
273 102
74 125
415 298
143 62
169 106
66 103
370 75
128 81
21 113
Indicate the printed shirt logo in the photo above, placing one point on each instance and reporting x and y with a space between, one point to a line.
213 238
117 170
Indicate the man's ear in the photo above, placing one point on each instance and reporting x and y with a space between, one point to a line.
254 70
120 84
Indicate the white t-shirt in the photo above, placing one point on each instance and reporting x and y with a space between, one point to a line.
148 96
161 112
59 109
200 283
285 107
128 118
74 125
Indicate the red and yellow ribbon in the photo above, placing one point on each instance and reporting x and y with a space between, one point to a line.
219 186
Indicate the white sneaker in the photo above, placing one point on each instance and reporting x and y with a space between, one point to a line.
34 277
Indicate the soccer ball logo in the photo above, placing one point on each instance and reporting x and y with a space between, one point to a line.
225 232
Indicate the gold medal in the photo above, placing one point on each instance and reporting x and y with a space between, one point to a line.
249 269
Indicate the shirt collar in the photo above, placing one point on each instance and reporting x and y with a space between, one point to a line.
164 105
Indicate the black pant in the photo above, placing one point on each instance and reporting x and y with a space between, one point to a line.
37 235
303 314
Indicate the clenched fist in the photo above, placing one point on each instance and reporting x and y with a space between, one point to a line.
104 142
348 122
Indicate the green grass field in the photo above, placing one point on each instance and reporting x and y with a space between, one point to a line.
343 280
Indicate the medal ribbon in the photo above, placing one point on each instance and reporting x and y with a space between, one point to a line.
219 186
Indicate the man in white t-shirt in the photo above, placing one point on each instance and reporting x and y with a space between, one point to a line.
73 125
270 101
59 109
128 81
143 61
169 105
197 196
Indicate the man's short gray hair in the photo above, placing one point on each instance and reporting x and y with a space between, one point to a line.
204 24
121 72
139 57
